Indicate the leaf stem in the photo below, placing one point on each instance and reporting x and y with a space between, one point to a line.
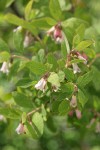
66 43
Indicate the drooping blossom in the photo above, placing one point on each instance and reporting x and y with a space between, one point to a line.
41 84
56 33
82 57
76 69
73 102
27 40
20 129
5 67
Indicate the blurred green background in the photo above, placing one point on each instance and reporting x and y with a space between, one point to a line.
59 135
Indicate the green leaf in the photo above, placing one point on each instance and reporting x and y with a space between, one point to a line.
55 106
24 117
44 113
43 23
82 98
80 31
90 52
65 45
61 75
14 69
4 56
20 22
55 10
11 113
22 100
30 130
84 44
63 107
67 88
3 46
73 22
61 63
69 74
76 40
28 10
24 83
38 123
64 50
85 79
9 2
41 55
36 67
18 41
76 61
96 78
52 60
54 79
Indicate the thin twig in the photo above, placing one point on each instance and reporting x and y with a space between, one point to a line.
33 111
21 57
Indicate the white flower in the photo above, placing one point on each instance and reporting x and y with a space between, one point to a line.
5 67
76 69
73 102
41 84
18 29
20 129
27 40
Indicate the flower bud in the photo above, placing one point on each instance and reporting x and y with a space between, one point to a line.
58 35
1 117
73 102
78 113
71 113
27 40
20 129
